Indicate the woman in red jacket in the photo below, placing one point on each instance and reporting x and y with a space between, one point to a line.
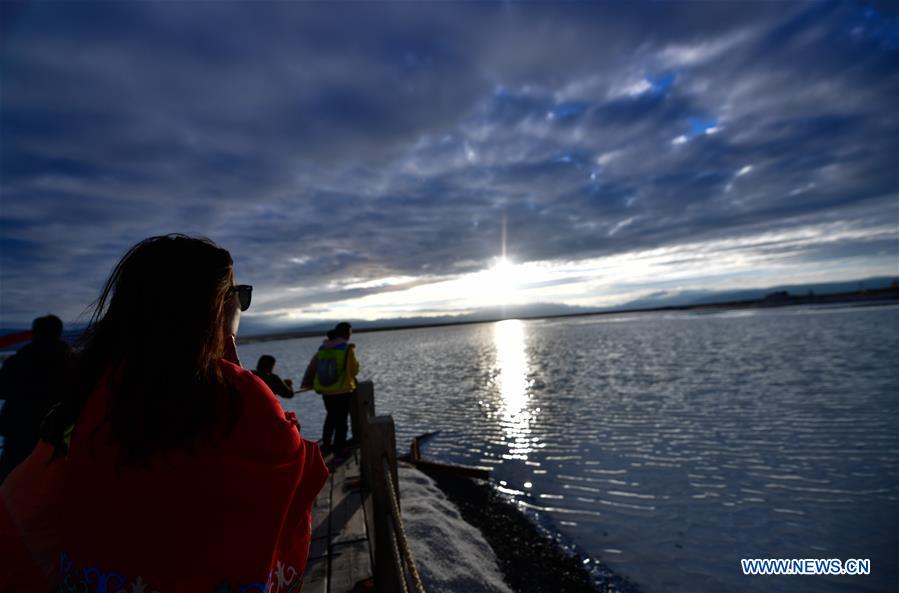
167 467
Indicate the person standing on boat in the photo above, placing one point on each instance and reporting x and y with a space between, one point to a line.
265 370
31 381
332 373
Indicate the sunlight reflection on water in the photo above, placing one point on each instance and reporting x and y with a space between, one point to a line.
511 379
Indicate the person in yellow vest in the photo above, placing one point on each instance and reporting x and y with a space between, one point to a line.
332 373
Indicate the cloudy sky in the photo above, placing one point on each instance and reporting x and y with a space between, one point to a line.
378 160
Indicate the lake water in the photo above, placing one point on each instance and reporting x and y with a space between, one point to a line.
669 446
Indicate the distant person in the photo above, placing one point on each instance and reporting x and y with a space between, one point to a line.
265 367
167 467
332 373
31 381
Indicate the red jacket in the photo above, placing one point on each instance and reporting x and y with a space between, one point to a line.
234 516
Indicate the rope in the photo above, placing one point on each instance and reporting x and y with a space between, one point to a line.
398 560
399 531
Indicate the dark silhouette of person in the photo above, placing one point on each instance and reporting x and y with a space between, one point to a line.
264 370
31 381
332 373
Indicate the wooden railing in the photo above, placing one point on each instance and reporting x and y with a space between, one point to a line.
394 567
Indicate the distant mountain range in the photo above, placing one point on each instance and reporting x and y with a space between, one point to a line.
654 300
660 299
705 297
248 328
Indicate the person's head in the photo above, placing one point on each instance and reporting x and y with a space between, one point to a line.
330 334
46 329
266 363
173 292
343 330
157 333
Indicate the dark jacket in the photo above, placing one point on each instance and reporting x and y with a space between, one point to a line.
31 381
275 383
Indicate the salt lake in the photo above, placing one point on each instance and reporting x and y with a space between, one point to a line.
667 445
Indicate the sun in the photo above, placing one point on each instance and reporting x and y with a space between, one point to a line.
503 271
502 282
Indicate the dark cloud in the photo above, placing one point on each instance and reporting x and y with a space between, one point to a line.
322 142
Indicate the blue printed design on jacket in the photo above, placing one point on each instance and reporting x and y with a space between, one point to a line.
327 371
90 579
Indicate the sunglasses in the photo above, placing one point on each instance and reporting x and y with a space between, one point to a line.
244 295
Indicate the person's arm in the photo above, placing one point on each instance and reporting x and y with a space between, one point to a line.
354 362
281 387
309 375
7 377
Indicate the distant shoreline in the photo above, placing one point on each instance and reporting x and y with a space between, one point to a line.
777 299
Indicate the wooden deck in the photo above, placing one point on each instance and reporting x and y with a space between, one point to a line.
358 540
340 556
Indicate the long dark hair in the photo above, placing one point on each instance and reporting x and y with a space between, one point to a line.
156 336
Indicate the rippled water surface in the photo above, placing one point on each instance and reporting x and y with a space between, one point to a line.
669 446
